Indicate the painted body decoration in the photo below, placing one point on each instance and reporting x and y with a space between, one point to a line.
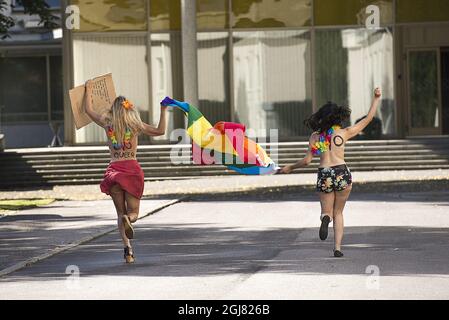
338 140
324 141
125 147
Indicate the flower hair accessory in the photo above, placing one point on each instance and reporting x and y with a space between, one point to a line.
127 104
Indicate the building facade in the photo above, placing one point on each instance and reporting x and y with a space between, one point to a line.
31 90
266 63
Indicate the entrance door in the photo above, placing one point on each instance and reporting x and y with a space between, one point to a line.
445 89
424 98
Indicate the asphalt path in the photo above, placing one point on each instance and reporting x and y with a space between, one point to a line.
265 247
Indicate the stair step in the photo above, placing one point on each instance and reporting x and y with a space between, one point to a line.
201 170
282 159
87 165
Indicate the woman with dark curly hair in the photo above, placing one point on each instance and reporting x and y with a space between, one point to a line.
334 181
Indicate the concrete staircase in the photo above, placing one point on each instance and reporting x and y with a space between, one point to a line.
86 165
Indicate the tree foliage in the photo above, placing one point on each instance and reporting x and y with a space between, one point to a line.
30 7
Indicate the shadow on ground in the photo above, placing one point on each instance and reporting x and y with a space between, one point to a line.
186 250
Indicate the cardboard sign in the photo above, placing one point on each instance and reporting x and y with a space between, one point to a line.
103 94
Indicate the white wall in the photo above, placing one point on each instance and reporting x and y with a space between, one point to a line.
269 67
370 64
122 55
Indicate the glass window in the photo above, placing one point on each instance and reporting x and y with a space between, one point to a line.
272 81
18 76
112 15
271 13
213 76
165 15
212 14
349 64
350 12
422 10
54 4
56 81
424 95
445 89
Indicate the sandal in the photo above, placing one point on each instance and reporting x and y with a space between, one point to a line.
338 254
129 257
324 227
129 230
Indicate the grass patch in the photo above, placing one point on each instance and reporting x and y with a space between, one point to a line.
23 204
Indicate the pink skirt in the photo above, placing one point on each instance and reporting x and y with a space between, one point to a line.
127 173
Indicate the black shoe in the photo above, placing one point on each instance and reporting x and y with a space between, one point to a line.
338 254
324 225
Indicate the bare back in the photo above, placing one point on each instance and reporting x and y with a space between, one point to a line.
336 154
127 152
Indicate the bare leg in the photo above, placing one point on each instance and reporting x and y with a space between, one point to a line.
132 207
327 204
118 196
340 200
327 207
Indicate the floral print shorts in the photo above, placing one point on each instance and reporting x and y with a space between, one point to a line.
331 179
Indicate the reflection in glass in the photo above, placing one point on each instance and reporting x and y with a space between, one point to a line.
350 12
422 10
165 15
424 98
271 13
349 64
213 76
18 76
445 90
56 80
123 56
166 75
212 14
272 80
111 15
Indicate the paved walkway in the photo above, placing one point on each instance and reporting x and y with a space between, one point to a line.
34 234
255 247
234 184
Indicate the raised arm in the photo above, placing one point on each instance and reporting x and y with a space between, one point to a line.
160 130
304 162
96 117
354 130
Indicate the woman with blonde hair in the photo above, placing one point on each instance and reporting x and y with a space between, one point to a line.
124 178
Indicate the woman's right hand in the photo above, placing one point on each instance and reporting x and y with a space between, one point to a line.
286 170
377 93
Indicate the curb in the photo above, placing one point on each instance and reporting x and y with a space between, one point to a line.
58 250
363 187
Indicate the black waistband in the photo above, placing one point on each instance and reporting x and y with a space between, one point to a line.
340 166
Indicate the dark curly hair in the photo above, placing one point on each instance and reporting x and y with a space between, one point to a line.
327 116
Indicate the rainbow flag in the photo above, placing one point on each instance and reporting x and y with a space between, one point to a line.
224 143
